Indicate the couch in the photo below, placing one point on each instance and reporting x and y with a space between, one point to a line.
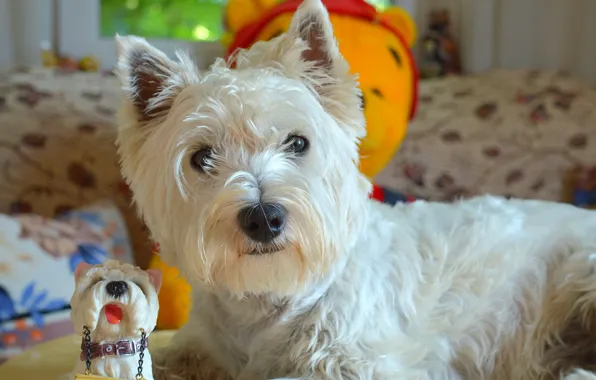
505 132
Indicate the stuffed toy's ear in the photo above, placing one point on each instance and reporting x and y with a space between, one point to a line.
401 20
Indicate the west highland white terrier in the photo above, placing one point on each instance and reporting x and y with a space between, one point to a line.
115 307
247 175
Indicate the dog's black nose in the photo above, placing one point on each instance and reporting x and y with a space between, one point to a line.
263 222
116 288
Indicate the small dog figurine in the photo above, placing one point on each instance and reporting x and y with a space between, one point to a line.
247 175
115 307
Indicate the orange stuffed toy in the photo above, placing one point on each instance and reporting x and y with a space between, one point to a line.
375 44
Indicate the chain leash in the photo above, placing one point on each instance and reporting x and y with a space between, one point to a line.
139 375
87 335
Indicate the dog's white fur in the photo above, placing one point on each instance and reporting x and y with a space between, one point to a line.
486 288
139 305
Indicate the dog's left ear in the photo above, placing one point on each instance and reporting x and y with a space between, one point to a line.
150 80
155 277
326 70
312 25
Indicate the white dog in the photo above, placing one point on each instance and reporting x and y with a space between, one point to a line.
247 175
112 302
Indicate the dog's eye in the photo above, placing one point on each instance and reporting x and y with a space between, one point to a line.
201 160
297 145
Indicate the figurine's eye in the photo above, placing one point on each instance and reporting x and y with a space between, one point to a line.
202 160
297 145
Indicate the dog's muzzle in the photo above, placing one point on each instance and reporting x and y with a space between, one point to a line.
263 222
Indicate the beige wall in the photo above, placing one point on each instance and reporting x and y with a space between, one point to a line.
543 34
24 25
6 45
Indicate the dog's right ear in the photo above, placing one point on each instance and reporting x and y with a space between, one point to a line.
150 80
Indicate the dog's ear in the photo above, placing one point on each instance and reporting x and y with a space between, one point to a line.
155 277
81 269
312 25
150 80
324 67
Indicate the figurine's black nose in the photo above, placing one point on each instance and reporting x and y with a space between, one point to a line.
263 222
116 288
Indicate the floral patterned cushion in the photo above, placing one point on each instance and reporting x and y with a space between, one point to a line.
38 256
505 132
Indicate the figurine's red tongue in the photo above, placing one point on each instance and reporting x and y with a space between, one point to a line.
113 314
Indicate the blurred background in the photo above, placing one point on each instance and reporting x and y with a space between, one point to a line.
492 33
461 97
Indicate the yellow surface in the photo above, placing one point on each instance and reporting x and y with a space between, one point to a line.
50 360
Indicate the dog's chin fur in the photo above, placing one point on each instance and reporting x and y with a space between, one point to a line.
482 289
